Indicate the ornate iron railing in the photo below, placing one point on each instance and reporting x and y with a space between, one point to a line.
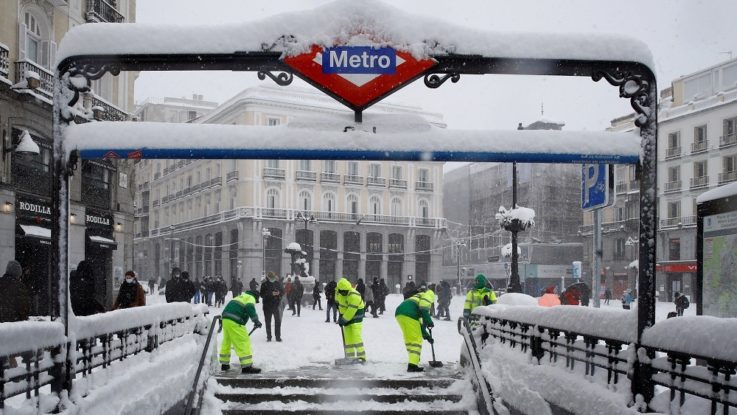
61 362
674 186
398 183
697 182
423 186
728 140
4 61
329 177
102 11
727 176
233 175
351 179
46 78
109 111
274 173
376 181
672 152
306 175
699 146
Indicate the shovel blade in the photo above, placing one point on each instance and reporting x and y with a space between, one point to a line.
435 363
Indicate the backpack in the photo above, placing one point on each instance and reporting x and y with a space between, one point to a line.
684 302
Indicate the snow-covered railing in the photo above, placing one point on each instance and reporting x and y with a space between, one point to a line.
594 337
671 347
37 354
691 356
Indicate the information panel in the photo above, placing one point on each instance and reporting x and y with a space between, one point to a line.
720 265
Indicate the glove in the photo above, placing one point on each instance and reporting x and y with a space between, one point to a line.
257 324
430 340
341 321
430 324
220 327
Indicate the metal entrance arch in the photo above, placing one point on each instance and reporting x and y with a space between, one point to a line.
634 80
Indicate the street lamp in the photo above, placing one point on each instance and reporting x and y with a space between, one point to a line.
265 233
459 244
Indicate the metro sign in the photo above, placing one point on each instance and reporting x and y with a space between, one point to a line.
358 76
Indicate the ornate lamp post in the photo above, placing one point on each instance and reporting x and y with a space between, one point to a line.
459 244
265 233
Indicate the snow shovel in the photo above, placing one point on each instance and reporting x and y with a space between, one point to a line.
433 362
252 330
345 360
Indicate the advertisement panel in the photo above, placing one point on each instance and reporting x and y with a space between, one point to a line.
720 265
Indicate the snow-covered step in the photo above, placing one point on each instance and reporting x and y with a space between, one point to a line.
315 411
336 397
267 382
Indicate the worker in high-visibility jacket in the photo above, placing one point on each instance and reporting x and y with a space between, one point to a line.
234 318
413 316
480 295
351 310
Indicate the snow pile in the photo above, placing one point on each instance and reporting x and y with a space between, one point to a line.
718 193
95 325
599 322
22 336
634 264
525 216
507 250
294 246
349 22
517 299
705 336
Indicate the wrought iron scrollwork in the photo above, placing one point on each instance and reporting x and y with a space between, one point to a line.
282 78
77 79
636 87
435 80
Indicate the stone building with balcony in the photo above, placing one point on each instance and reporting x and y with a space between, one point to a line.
472 196
358 219
100 207
697 151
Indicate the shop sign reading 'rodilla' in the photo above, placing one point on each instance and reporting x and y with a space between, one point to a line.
358 75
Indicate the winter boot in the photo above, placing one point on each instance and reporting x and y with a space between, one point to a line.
414 368
250 370
224 368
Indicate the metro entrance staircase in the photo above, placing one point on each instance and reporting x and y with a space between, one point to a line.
321 390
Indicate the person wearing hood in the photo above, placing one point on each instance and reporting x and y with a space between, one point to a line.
351 309
131 293
549 298
15 300
480 295
413 317
82 291
173 286
235 316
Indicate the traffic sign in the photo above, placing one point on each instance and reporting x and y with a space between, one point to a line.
597 186
358 75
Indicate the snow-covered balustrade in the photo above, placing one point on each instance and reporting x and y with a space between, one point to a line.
551 335
36 354
694 355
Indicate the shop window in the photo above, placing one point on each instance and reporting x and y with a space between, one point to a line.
674 249
96 184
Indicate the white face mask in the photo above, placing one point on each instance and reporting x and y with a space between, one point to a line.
129 280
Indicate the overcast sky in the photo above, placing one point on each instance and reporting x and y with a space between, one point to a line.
683 35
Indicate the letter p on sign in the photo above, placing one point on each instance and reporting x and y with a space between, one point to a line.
596 186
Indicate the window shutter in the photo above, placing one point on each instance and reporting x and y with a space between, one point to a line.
52 55
21 42
45 51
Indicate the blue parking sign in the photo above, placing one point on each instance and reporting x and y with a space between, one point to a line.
596 186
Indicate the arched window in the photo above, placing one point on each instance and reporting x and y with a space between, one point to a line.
424 209
328 202
352 203
272 199
397 207
305 201
375 205
34 40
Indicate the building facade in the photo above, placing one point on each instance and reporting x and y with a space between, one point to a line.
472 197
235 218
697 151
101 215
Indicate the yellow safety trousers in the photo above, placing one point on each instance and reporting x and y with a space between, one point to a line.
353 341
235 335
412 332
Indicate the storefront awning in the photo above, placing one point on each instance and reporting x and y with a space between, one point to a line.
103 242
33 231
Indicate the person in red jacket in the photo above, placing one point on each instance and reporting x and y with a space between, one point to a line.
131 293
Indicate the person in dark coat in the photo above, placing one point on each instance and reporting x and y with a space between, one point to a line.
173 286
271 295
220 291
237 288
82 291
187 288
131 293
384 292
253 285
15 300
298 291
330 302
681 302
444 297
409 290
361 288
316 296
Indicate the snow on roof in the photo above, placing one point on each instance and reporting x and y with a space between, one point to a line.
380 137
369 22
704 336
718 193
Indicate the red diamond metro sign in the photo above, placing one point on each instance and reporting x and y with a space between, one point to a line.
358 76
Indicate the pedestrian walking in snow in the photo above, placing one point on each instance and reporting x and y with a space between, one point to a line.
235 316
15 299
368 298
272 292
298 291
131 293
351 309
288 291
82 291
413 317
409 290
237 288
187 288
151 286
384 292
445 295
361 288
197 291
252 285
627 299
607 296
316 296
681 302
330 302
